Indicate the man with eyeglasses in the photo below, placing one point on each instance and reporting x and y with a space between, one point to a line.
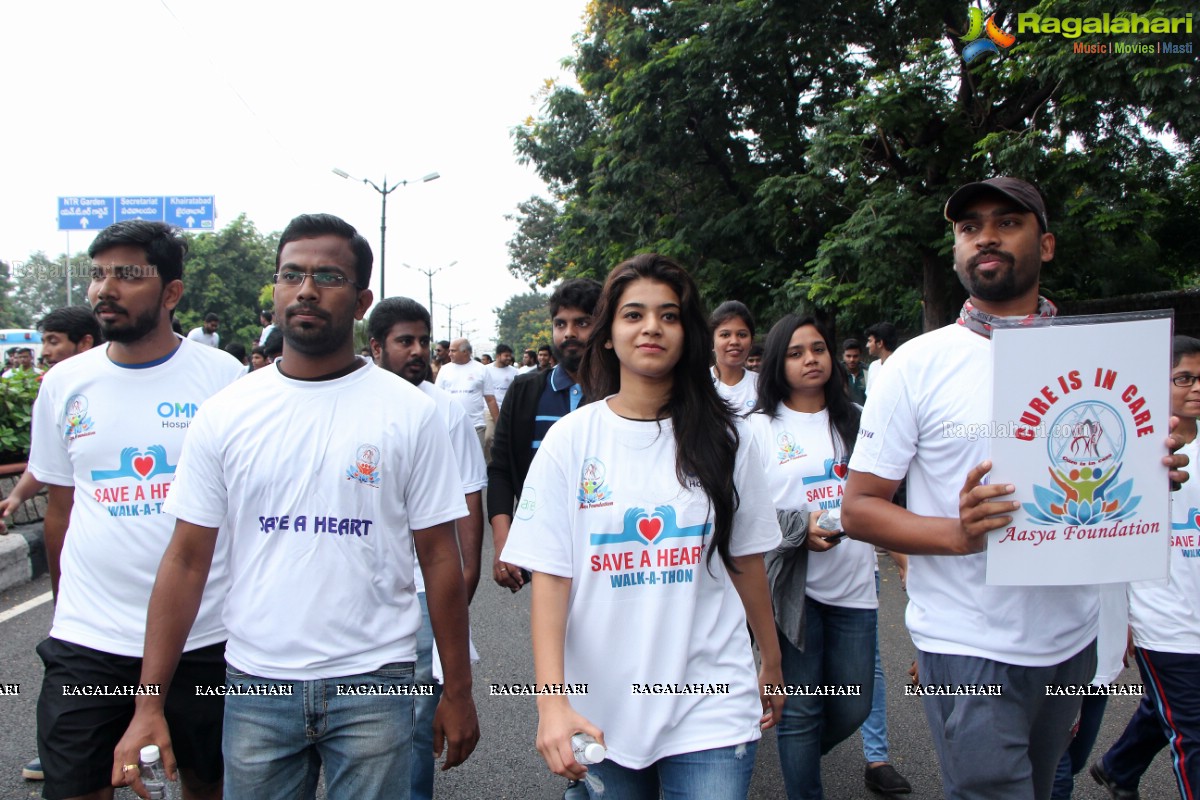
1165 620
108 430
326 471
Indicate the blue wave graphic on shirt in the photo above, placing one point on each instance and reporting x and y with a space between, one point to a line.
650 528
138 465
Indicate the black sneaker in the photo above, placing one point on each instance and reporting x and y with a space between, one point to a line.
885 780
1115 792
33 771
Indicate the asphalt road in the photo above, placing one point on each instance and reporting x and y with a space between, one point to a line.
506 765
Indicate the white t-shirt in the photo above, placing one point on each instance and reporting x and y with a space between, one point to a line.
798 457
931 385
1165 615
523 370
602 505
466 383
499 379
262 338
115 434
743 395
323 483
198 335
468 458
1112 637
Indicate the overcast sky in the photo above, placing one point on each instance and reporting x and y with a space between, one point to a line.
256 103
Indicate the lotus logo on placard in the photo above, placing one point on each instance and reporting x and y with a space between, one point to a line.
977 47
1085 448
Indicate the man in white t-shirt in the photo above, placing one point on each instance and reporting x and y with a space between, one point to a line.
467 380
969 633
528 362
108 429
502 374
399 331
22 362
326 471
499 377
267 319
882 340
207 333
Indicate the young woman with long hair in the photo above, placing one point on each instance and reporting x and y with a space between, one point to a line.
806 426
732 337
644 520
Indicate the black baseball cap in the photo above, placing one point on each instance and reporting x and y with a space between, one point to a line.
1023 194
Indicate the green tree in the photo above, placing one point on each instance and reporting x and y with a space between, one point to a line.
225 273
520 320
39 285
532 250
796 154
8 314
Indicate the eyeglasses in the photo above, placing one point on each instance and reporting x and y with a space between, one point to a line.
1185 380
322 280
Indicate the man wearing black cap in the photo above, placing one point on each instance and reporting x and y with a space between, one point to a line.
1005 643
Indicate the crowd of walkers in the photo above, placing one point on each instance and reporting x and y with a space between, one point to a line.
268 575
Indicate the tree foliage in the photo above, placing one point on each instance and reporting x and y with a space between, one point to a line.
796 154
39 285
523 321
225 273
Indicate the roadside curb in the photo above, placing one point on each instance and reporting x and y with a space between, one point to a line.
22 555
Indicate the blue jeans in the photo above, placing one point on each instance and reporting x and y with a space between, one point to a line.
275 745
719 774
425 706
839 651
1091 714
874 730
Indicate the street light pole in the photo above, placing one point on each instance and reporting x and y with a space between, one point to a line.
450 318
384 192
429 273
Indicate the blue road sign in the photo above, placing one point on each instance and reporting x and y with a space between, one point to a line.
139 208
84 213
190 212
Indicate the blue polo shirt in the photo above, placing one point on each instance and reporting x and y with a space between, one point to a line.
560 397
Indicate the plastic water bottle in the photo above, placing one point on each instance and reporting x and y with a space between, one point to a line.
586 749
154 774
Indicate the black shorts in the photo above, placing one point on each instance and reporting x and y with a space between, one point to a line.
79 725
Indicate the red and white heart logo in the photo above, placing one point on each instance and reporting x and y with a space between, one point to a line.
142 465
649 527
840 470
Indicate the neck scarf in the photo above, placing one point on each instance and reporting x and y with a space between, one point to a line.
981 322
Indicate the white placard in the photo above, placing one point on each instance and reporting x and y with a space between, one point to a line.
1082 411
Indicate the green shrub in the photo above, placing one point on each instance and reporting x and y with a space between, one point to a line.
17 394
